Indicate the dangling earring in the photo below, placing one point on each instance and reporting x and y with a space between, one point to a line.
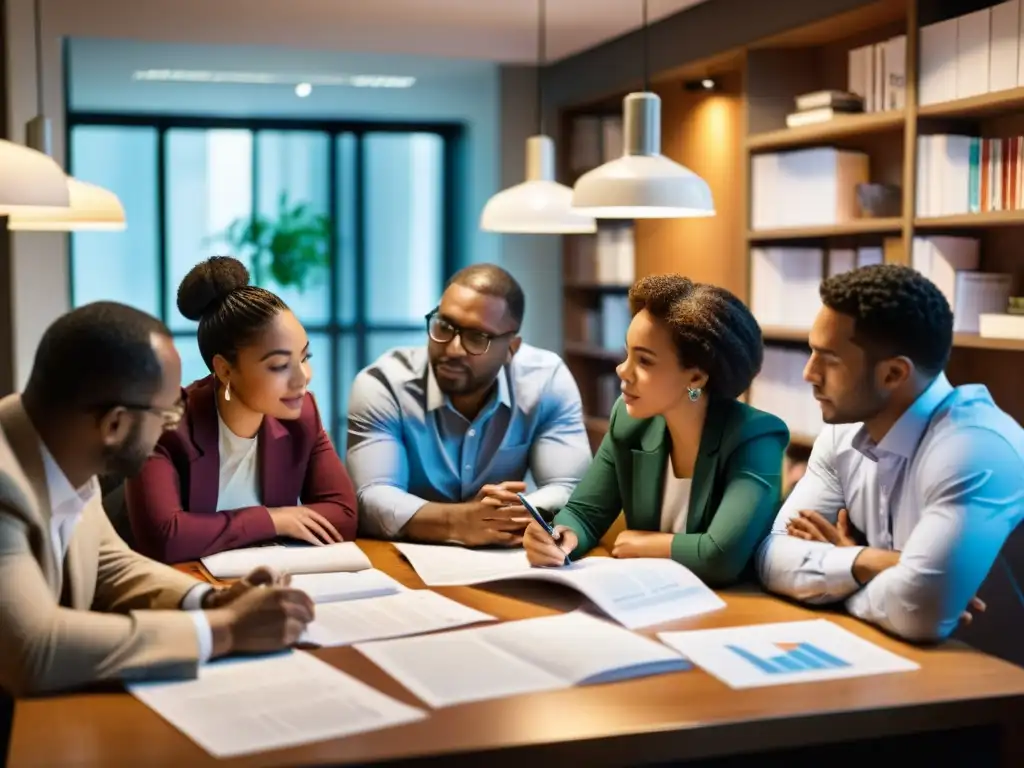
693 393
227 392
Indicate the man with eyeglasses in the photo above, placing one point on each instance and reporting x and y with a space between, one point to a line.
440 439
76 604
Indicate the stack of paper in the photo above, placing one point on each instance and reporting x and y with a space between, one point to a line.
299 558
410 612
346 585
787 652
241 706
637 592
518 657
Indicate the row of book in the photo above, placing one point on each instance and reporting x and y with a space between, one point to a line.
606 258
959 174
972 54
877 73
780 389
595 140
606 324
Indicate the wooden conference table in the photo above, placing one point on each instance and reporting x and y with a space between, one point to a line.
959 697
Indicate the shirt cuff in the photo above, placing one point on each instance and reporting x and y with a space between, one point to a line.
204 634
550 498
837 567
193 599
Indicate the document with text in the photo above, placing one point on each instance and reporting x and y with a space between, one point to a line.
300 558
411 612
636 592
346 585
241 706
517 657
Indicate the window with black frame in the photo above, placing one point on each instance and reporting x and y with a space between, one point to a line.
352 224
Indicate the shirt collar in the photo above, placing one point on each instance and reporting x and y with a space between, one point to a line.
436 398
903 437
64 497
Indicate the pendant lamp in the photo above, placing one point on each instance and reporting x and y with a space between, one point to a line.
540 205
29 178
643 183
87 206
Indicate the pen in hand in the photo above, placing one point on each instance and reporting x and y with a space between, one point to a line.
539 519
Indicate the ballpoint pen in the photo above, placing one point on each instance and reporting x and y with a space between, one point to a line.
541 522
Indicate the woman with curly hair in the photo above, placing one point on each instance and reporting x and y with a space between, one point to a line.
696 472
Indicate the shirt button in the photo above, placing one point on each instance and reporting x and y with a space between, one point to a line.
472 433
468 467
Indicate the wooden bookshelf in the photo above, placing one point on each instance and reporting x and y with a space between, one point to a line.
838 128
878 226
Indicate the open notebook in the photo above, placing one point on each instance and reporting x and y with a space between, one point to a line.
528 656
346 585
287 558
637 592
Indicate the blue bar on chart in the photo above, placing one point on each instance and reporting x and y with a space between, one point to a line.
795 657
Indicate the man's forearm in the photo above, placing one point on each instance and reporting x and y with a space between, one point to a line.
871 562
432 522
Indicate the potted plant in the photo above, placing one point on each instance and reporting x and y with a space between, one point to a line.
291 248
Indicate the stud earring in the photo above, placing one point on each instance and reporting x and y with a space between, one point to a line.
693 393
227 392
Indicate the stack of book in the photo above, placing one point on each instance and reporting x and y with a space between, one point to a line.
822 106
1006 325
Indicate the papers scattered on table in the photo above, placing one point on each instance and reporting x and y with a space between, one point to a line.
637 592
238 707
300 558
346 585
788 652
519 657
411 612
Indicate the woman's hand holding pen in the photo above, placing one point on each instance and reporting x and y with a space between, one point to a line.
543 551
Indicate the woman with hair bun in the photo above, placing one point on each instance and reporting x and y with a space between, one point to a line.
250 461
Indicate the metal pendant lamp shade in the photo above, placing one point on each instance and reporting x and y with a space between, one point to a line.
29 178
643 183
91 208
540 205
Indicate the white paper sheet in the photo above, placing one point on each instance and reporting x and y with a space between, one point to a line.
787 652
241 706
636 592
519 657
300 558
346 585
410 612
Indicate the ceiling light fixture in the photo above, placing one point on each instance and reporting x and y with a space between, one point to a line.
28 179
302 90
643 183
540 205
269 78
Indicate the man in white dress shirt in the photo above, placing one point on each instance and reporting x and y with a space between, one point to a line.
76 604
914 485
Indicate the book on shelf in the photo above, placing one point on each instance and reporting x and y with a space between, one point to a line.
959 174
971 54
806 188
780 389
607 258
595 140
877 73
1001 325
784 285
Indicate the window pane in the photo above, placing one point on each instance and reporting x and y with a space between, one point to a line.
192 365
292 171
322 384
379 342
209 186
348 367
404 224
346 223
118 266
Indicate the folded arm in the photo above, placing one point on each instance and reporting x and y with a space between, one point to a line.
560 453
810 571
327 488
973 501
165 531
753 485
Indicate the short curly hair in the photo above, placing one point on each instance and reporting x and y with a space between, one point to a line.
711 328
896 311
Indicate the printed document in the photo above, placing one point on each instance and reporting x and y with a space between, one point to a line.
410 612
516 657
299 558
636 592
346 585
240 706
787 652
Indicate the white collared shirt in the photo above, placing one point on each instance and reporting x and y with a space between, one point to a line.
67 504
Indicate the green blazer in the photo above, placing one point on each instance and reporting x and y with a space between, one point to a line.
734 496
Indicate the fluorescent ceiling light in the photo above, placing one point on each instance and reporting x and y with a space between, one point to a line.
269 78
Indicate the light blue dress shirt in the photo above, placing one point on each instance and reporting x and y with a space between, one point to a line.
944 487
407 445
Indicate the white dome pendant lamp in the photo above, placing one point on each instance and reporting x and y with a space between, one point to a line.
540 205
29 179
643 183
86 206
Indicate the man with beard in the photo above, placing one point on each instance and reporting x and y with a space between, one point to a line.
914 485
76 604
440 439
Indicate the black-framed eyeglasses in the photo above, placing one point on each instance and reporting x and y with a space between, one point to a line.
474 341
171 417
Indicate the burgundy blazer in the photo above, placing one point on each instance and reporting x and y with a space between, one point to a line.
172 503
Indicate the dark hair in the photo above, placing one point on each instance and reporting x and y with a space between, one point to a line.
896 312
711 328
97 355
231 313
492 280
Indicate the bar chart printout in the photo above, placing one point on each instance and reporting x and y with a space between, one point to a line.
789 652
